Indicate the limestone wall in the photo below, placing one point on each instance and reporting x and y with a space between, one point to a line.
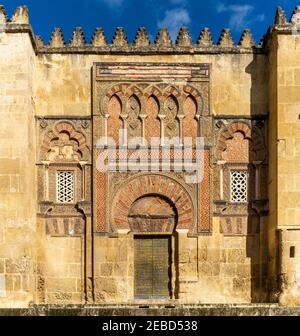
17 171
288 127
62 83
285 160
209 269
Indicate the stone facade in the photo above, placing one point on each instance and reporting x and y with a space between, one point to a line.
68 229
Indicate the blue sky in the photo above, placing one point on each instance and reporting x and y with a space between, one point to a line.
196 14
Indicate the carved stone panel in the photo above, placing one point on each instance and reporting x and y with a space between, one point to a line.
134 126
239 226
171 121
149 100
64 173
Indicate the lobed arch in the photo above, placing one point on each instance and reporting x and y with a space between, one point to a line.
136 98
172 111
252 134
196 96
172 90
133 117
174 99
65 134
117 90
148 185
153 90
190 120
114 122
133 90
161 92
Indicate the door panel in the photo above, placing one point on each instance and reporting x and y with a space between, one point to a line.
152 267
143 267
161 267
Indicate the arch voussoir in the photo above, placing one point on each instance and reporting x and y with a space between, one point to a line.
145 185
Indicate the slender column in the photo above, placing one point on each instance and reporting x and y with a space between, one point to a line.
180 118
162 129
143 119
106 116
257 179
85 207
124 135
89 260
221 163
83 165
46 171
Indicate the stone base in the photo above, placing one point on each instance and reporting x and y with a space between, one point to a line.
290 298
154 310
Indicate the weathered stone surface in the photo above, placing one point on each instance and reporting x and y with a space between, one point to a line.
99 39
205 38
78 39
57 39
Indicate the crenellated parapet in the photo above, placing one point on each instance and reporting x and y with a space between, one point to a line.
20 16
246 40
285 26
3 16
141 44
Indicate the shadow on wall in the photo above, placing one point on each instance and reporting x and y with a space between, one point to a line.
257 235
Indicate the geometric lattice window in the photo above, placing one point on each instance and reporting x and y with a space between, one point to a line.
238 186
65 187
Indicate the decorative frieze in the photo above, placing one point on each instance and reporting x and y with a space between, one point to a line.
239 226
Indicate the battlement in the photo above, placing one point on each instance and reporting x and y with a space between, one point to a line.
141 44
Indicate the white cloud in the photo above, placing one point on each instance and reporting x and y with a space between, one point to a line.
260 18
174 19
221 7
178 2
112 3
239 15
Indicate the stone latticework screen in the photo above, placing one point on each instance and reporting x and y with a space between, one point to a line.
65 187
238 186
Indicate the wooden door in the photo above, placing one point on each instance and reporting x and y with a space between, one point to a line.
152 267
